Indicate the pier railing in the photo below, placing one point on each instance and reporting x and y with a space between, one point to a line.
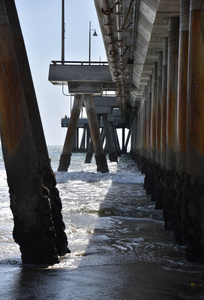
81 63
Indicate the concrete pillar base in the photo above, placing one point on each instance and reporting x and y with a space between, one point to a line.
89 156
159 190
169 199
113 157
153 182
191 218
101 163
38 240
64 162
179 209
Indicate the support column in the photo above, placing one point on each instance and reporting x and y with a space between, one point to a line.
148 117
114 137
144 117
95 134
159 105
157 194
30 203
180 206
88 137
182 86
123 140
139 134
133 138
158 191
172 93
151 132
128 138
71 131
153 115
89 153
146 160
82 144
46 171
111 147
195 138
164 102
171 130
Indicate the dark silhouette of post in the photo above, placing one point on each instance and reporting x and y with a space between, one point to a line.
71 131
35 201
100 157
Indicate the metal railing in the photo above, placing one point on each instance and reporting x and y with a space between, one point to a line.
81 63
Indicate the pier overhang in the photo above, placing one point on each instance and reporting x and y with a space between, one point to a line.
133 33
82 77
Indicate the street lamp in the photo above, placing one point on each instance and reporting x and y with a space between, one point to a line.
94 34
63 34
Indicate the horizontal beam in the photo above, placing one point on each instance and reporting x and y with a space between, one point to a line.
79 73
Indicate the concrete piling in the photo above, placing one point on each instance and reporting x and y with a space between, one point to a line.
70 136
100 157
195 135
111 147
171 122
164 102
35 203
180 204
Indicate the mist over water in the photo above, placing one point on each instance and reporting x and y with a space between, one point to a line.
120 249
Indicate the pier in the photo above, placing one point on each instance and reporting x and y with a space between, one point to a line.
155 74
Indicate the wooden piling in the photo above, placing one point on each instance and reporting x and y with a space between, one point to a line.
158 111
171 128
172 93
100 157
164 103
180 218
34 229
194 189
70 136
111 147
153 120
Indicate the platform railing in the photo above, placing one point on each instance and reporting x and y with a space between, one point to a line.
81 63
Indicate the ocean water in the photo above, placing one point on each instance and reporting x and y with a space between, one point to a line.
119 247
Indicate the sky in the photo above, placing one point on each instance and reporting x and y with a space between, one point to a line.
41 26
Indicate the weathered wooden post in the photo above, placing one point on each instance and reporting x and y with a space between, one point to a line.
114 137
158 111
153 119
139 134
144 129
171 125
89 153
25 161
36 127
151 131
157 192
164 102
146 160
194 189
111 147
71 131
180 205
95 134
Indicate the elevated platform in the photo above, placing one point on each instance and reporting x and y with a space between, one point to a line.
82 77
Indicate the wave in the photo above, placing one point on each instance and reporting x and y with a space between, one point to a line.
121 177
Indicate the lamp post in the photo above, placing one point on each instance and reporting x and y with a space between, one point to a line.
94 34
63 34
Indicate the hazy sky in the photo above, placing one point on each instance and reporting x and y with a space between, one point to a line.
41 26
